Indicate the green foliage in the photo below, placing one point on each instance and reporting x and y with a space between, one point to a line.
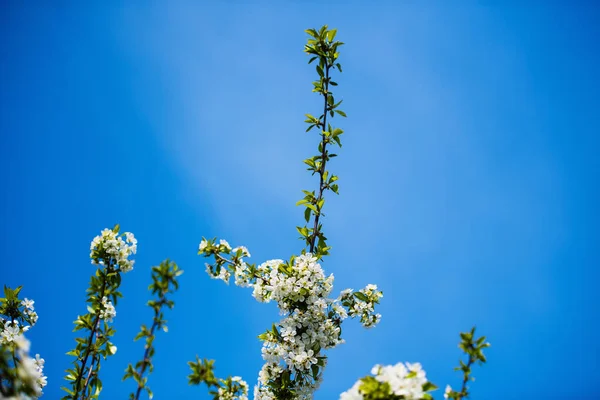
11 307
373 389
202 372
164 282
473 349
229 388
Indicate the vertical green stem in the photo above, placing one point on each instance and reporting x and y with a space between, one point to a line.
145 360
463 391
89 344
315 233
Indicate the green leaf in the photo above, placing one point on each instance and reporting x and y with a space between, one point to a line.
311 32
315 371
312 207
428 386
68 391
302 231
320 203
331 34
337 132
361 296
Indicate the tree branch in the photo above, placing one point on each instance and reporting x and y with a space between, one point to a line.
89 344
315 232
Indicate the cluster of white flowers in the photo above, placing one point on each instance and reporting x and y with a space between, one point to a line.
29 311
408 381
10 331
29 370
14 346
111 246
311 320
238 390
108 311
447 391
362 304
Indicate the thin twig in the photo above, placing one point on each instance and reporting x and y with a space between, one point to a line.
315 232
145 360
463 391
89 344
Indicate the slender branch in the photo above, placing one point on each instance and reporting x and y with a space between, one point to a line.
463 391
145 361
95 360
89 344
224 259
315 232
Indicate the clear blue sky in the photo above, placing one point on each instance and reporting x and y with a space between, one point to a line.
469 179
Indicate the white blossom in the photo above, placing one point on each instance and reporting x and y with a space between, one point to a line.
404 380
447 391
108 311
30 370
27 303
203 245
11 332
245 252
353 393
110 248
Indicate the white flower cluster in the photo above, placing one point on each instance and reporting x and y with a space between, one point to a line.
111 246
362 304
29 370
407 381
10 331
237 390
447 391
108 311
29 311
311 320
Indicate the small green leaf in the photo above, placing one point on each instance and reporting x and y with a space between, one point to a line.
331 34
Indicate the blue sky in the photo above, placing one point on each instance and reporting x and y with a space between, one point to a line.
468 179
